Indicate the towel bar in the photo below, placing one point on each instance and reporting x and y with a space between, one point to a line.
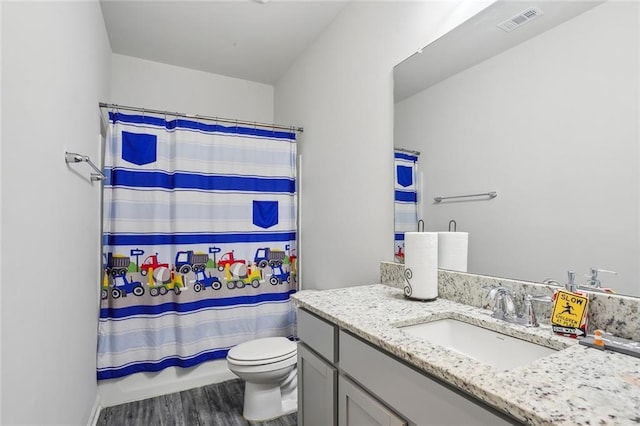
73 157
492 194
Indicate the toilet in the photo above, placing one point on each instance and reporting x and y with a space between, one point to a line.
268 367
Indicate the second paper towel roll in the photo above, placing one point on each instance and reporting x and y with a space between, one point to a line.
421 265
452 250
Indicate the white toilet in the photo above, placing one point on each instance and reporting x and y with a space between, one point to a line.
268 367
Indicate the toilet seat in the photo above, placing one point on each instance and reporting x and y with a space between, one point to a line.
268 350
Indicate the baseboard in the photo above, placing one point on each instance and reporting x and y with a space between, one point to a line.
141 386
95 412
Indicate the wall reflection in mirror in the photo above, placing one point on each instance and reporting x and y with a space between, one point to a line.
547 115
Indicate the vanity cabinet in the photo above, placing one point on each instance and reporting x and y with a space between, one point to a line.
357 408
416 397
345 381
317 374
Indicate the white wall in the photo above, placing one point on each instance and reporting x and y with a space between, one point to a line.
55 58
552 125
141 83
341 91
0 214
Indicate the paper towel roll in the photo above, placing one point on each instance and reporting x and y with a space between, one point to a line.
421 265
452 250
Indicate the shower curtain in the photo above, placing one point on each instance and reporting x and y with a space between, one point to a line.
199 241
406 199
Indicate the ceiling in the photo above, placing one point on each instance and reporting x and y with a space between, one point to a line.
478 39
247 39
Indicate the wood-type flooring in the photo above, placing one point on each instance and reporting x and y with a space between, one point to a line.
219 404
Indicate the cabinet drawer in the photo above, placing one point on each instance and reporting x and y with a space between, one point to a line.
418 397
318 334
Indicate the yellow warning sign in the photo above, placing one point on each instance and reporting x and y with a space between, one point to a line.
569 309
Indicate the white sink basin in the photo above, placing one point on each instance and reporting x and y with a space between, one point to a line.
490 347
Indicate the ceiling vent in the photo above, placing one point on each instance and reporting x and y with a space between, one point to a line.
520 19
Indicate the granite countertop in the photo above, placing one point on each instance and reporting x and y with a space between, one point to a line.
575 386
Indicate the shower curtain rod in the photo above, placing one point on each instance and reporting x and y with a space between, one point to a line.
203 117
408 151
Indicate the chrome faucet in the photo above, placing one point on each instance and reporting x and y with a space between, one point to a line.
593 280
504 307
569 286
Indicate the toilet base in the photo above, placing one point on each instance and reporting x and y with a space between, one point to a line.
264 402
290 405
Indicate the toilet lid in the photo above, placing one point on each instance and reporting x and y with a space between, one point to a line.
263 351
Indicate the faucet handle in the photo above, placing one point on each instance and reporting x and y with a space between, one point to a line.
538 298
593 278
529 315
594 271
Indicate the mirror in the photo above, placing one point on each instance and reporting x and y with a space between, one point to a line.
547 116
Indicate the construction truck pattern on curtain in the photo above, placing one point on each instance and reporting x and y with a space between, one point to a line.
199 241
405 199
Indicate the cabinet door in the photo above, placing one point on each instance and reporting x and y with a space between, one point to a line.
317 389
358 408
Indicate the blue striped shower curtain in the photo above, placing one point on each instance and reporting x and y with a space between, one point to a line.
199 241
406 199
